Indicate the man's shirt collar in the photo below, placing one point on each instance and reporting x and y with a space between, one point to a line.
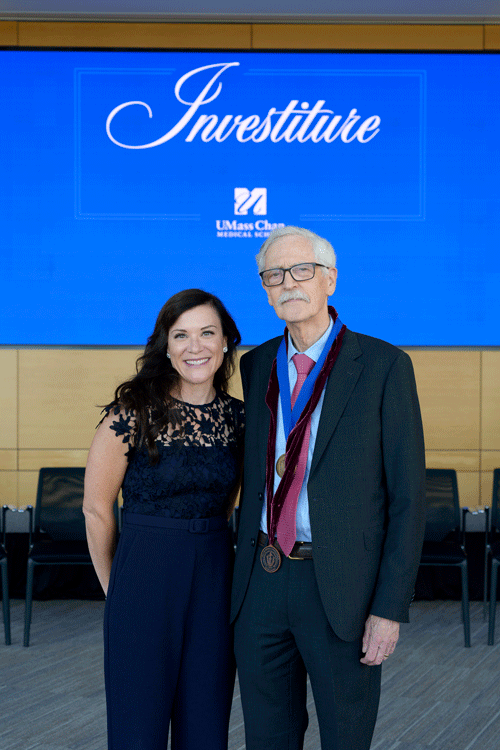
314 350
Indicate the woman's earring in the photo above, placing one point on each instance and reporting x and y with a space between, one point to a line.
225 350
168 355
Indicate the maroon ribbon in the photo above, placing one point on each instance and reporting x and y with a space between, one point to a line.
293 444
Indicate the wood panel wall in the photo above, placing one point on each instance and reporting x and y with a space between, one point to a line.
49 397
250 36
49 404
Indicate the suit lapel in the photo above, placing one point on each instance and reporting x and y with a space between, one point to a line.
339 388
263 411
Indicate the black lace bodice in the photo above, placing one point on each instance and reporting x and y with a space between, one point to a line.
198 461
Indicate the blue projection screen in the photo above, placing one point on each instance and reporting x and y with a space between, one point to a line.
127 176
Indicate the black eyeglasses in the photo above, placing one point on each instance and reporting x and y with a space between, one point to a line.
298 272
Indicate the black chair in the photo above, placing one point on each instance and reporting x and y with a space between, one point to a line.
492 550
444 542
57 532
5 578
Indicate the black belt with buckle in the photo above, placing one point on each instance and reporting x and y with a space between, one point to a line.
300 550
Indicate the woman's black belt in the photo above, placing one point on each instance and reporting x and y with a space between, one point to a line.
194 525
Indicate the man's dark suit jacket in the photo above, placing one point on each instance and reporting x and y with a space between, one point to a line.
366 484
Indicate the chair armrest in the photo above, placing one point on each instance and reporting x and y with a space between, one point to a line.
464 516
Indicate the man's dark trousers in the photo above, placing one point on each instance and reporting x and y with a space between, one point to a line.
283 619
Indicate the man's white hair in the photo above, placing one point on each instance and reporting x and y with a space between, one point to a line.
323 250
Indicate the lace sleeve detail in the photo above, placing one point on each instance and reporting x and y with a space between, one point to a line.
199 458
124 425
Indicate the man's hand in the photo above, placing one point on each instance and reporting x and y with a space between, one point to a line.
379 639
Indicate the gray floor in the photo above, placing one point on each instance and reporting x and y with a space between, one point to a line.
437 695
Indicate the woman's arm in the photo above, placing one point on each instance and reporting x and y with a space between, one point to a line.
106 467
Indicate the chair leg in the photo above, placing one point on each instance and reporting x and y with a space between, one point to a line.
493 602
5 601
465 603
29 599
485 588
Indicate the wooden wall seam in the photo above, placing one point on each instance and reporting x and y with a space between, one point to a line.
425 37
492 37
134 35
8 33
18 399
480 409
17 498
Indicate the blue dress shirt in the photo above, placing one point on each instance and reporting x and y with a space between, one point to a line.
303 525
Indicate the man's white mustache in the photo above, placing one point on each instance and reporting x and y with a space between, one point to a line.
297 294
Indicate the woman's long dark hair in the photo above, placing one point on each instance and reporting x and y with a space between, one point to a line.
149 391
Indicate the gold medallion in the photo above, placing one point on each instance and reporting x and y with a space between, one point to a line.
280 465
270 559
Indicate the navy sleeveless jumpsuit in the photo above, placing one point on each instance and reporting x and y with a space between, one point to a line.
167 639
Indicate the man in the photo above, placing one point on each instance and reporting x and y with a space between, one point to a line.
330 534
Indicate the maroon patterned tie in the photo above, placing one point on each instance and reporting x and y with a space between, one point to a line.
286 531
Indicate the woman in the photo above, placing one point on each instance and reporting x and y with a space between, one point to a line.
171 439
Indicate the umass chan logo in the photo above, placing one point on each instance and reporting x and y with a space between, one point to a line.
244 201
298 122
